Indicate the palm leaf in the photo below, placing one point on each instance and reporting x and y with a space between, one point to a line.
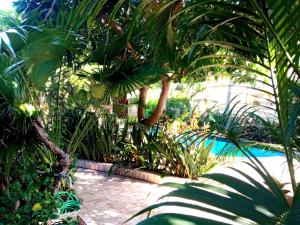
248 201
39 63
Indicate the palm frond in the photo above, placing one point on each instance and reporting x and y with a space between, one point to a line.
244 201
44 51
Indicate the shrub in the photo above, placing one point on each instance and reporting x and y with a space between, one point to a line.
178 108
169 155
28 198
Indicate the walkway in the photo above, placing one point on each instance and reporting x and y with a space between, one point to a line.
110 200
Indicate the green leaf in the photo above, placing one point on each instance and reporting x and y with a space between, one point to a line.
293 216
179 219
44 51
6 41
98 90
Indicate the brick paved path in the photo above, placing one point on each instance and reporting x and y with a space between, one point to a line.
110 200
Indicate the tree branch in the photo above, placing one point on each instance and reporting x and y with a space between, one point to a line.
63 157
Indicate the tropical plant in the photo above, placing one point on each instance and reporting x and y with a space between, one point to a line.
259 129
101 142
166 51
121 54
26 189
164 152
241 122
167 155
26 196
29 56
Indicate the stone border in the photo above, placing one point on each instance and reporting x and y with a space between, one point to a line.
81 221
133 173
85 220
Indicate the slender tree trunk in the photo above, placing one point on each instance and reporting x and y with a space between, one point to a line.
166 82
63 157
142 103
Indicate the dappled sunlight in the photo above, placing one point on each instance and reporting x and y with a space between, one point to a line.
112 199
163 112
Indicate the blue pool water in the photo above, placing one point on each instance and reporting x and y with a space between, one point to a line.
220 145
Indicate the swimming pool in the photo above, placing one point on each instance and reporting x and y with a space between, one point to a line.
220 145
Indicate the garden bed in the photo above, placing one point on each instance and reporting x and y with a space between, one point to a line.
133 173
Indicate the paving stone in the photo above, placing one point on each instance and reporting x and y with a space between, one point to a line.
110 200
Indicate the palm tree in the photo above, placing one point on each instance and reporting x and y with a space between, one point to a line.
166 51
123 53
125 57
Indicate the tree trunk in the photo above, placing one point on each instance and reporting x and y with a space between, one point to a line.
120 106
177 7
63 157
142 103
166 82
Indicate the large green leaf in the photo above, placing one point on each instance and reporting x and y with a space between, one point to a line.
44 51
127 79
179 219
